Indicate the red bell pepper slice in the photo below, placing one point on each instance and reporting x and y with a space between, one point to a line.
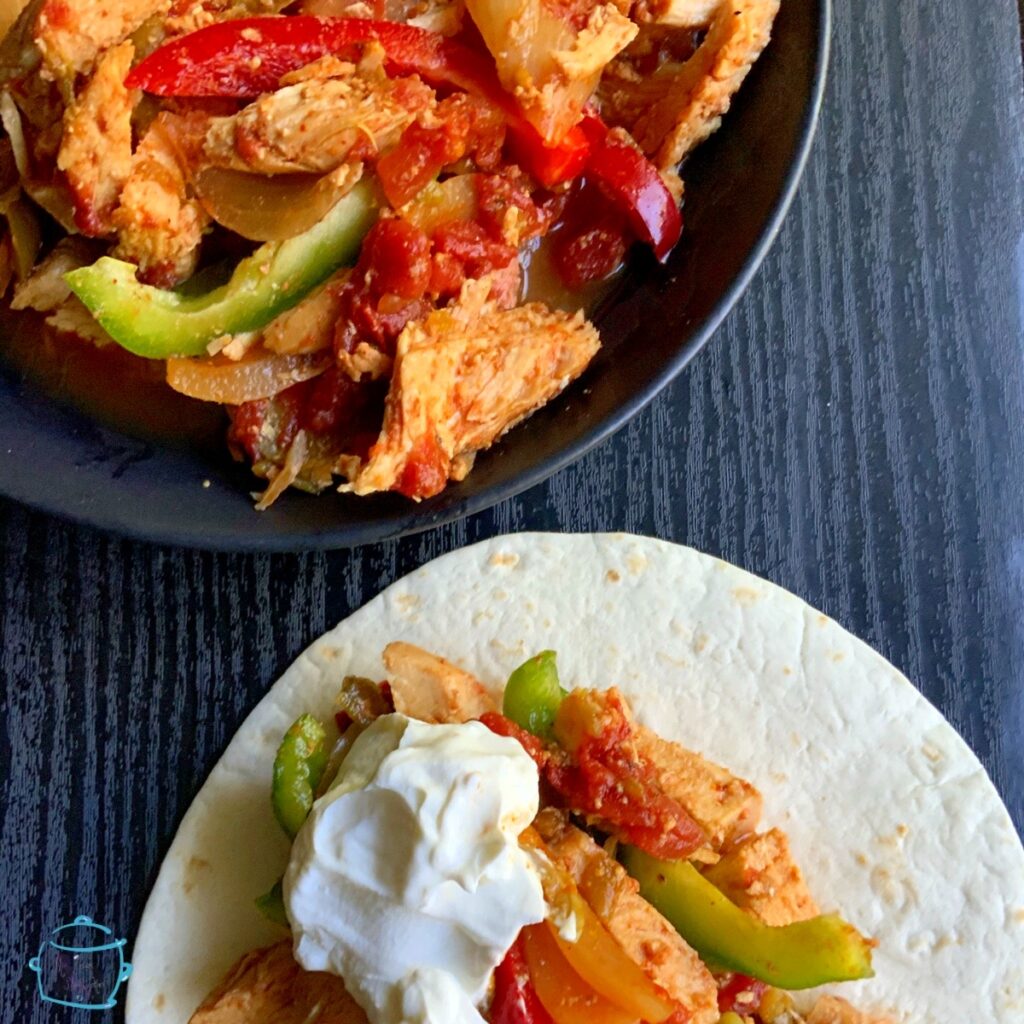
515 1000
635 185
550 165
247 56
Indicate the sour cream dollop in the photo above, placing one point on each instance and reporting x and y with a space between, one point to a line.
407 879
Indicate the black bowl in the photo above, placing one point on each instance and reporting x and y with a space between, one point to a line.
739 185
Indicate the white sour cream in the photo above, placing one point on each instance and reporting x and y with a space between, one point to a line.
407 879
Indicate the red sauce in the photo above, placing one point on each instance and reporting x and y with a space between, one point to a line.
426 471
608 782
741 994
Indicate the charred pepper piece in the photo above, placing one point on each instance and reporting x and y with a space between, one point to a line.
298 767
795 956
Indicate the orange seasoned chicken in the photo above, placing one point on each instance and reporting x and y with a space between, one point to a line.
674 109
96 148
464 375
723 804
427 687
267 986
640 930
549 64
71 34
159 225
318 122
760 875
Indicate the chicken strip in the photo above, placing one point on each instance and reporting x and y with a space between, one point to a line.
96 148
645 936
724 805
159 226
463 376
268 985
317 123
760 875
427 687
677 107
71 34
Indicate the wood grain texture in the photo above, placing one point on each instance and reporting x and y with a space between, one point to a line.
854 433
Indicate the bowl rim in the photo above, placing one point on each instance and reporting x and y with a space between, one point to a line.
348 535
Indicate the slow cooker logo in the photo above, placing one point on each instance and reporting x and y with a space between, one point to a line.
81 965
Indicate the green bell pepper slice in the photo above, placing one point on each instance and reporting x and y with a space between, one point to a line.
533 695
795 956
157 323
271 904
298 767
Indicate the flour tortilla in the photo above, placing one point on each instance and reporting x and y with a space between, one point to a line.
889 813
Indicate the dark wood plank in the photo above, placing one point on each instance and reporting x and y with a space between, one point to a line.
853 433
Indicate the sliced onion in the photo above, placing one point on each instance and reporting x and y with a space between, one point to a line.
55 201
259 374
26 236
288 473
271 209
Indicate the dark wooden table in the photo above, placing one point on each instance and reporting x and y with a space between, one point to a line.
854 433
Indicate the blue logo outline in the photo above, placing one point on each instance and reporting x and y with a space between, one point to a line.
123 974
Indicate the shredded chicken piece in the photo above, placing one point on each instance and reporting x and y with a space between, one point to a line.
427 687
45 289
550 68
676 108
833 1010
71 34
366 362
463 376
96 147
309 326
72 318
606 33
317 123
268 985
760 875
159 226
645 936
724 805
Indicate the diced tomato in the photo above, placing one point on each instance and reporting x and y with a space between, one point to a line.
582 255
334 401
396 257
246 423
741 994
466 126
497 194
288 406
473 247
602 780
426 471
414 162
515 999
605 779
